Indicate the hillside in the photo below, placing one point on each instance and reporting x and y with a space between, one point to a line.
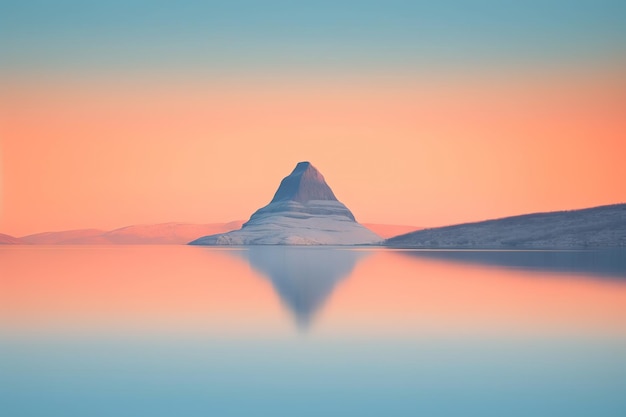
595 227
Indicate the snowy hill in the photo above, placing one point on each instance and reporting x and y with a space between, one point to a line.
304 211
596 227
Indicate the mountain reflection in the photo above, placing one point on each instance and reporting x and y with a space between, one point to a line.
609 263
303 277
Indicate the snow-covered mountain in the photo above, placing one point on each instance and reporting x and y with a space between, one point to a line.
597 227
304 211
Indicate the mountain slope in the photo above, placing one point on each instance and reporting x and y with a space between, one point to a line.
304 211
603 226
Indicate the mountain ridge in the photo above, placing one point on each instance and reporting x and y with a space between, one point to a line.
136 235
159 233
9 240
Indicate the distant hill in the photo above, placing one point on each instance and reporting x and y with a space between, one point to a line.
167 233
596 227
163 233
9 240
52 238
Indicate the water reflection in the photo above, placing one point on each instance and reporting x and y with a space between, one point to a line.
304 278
604 263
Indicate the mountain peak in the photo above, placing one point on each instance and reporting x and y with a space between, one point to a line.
305 183
304 211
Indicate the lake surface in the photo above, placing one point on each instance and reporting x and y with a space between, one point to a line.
287 331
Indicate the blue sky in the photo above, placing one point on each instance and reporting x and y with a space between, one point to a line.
256 35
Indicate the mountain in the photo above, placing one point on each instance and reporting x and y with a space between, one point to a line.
595 227
304 211
9 240
162 233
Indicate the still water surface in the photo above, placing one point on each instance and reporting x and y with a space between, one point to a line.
284 331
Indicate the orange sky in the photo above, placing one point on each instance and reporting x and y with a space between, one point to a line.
424 149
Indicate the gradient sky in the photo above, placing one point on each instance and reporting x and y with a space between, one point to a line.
424 113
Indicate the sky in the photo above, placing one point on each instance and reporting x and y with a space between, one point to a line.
417 112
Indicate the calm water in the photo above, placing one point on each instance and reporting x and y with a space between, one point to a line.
191 331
